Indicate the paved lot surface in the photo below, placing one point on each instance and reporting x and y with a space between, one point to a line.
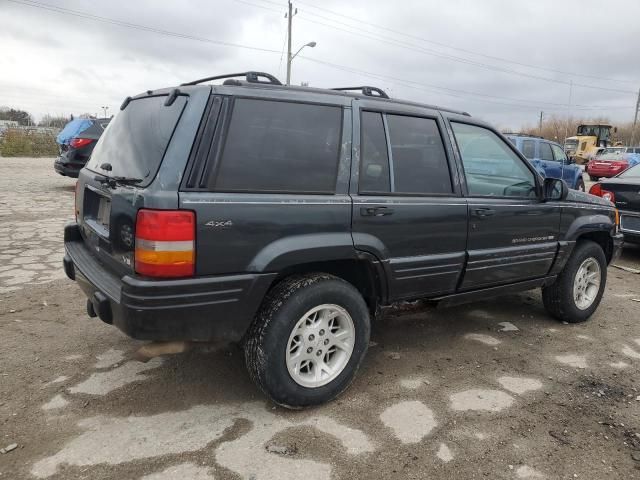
492 390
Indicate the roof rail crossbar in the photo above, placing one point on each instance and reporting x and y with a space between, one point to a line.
368 91
251 77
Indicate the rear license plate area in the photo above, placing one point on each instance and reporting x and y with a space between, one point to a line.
630 224
97 211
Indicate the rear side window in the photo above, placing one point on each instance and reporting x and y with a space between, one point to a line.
417 153
134 142
417 164
374 169
545 152
280 147
529 149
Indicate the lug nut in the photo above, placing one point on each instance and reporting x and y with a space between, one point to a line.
326 341
321 332
319 352
309 350
311 338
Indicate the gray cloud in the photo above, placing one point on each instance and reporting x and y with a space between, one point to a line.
61 63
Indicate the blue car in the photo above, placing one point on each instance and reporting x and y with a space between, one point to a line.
549 159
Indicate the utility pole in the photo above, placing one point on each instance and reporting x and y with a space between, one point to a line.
635 121
566 126
290 21
540 124
104 109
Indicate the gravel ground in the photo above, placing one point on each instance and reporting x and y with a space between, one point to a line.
493 390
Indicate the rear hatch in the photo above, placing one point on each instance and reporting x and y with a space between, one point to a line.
122 174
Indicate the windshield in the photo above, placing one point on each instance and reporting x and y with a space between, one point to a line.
135 140
613 150
588 130
633 172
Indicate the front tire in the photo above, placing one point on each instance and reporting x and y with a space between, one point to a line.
577 291
308 340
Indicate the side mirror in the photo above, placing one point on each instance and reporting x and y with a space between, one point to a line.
554 189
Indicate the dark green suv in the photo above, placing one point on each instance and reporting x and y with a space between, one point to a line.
283 218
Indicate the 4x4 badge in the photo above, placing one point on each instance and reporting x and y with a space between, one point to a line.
219 223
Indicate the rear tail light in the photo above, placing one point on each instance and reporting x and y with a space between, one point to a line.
80 142
165 243
598 191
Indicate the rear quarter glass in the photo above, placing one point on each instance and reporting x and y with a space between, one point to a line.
136 139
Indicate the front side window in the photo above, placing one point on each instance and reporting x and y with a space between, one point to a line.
529 149
280 147
559 154
491 167
413 162
545 152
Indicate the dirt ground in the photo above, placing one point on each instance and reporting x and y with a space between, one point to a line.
494 390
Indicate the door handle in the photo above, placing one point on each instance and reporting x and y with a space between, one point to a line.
376 211
484 212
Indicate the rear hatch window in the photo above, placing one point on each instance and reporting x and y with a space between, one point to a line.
136 139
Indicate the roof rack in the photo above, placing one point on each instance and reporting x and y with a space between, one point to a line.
368 91
251 77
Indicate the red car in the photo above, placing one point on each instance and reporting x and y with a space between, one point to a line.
598 168
612 161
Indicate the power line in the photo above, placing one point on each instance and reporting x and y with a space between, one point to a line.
399 43
491 57
584 107
449 91
411 84
453 58
121 23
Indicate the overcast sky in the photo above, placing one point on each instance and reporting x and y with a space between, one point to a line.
448 52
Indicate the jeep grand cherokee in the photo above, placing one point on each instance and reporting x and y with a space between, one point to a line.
283 217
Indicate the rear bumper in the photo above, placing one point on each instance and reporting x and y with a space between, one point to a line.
218 308
68 169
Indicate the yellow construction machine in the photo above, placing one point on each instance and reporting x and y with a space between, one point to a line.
588 141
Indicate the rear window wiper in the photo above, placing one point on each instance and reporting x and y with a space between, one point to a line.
111 182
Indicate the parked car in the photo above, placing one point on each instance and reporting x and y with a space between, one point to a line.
549 159
285 217
624 191
76 142
612 161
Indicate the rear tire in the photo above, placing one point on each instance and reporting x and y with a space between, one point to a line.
593 179
580 185
577 291
288 350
